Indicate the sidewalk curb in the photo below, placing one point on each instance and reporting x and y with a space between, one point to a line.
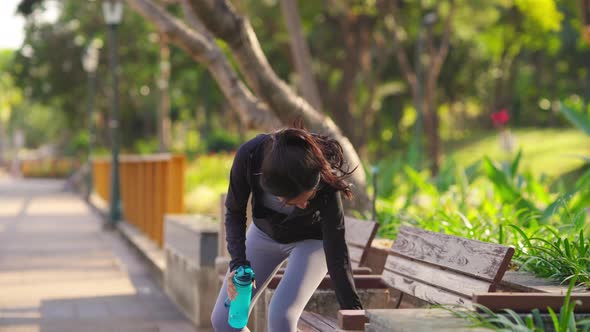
147 249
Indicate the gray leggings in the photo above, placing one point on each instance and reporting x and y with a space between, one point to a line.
306 269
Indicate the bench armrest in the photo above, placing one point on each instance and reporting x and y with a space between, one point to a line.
352 319
355 270
367 281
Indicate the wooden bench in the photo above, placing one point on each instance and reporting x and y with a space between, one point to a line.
433 267
359 236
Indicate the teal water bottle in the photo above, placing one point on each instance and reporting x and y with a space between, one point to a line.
239 307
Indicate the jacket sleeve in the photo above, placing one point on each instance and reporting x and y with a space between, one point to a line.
336 251
236 204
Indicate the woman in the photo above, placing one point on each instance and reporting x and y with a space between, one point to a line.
296 179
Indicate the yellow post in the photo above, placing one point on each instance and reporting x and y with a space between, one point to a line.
149 207
159 202
133 189
124 188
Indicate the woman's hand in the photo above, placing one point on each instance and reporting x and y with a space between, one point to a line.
231 287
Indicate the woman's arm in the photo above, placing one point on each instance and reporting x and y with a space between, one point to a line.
236 203
337 258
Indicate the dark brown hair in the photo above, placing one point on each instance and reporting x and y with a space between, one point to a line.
295 160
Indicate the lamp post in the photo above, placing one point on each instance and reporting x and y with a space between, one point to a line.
113 12
428 21
90 63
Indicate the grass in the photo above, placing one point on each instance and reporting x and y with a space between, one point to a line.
553 152
549 151
207 178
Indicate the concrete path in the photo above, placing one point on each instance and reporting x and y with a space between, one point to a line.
60 272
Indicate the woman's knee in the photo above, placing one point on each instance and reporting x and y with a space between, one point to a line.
281 319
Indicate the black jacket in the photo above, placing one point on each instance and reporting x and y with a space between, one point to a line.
323 219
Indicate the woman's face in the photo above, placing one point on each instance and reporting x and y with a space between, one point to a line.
300 201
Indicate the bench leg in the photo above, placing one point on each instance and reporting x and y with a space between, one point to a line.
399 300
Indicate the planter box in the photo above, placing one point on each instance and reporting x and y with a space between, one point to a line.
191 248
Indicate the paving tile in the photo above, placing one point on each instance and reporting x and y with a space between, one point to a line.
60 272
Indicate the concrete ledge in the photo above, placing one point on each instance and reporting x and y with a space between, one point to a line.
189 287
192 236
191 278
417 320
153 255
99 205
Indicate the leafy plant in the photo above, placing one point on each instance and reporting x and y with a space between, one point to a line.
577 118
549 255
509 320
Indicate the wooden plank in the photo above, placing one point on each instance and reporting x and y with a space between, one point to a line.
304 326
424 291
480 259
355 255
360 281
320 323
519 281
362 270
352 319
525 302
359 232
222 243
425 273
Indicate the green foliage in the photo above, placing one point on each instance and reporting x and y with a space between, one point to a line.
541 13
549 254
221 141
556 155
207 178
147 146
78 146
494 202
509 320
578 118
41 124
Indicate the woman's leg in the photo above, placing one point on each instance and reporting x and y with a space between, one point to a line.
266 256
305 270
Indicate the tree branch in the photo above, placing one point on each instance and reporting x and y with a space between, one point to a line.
300 53
402 58
224 22
202 47
443 49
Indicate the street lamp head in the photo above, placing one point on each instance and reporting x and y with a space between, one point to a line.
113 11
90 58
430 18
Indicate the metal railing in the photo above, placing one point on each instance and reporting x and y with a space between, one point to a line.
151 186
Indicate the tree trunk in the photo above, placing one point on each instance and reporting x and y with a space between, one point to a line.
431 120
222 21
164 126
2 140
585 10
300 52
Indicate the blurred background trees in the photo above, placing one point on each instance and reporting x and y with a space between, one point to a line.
410 80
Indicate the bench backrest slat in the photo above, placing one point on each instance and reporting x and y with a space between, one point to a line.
404 274
441 268
359 236
472 257
425 292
